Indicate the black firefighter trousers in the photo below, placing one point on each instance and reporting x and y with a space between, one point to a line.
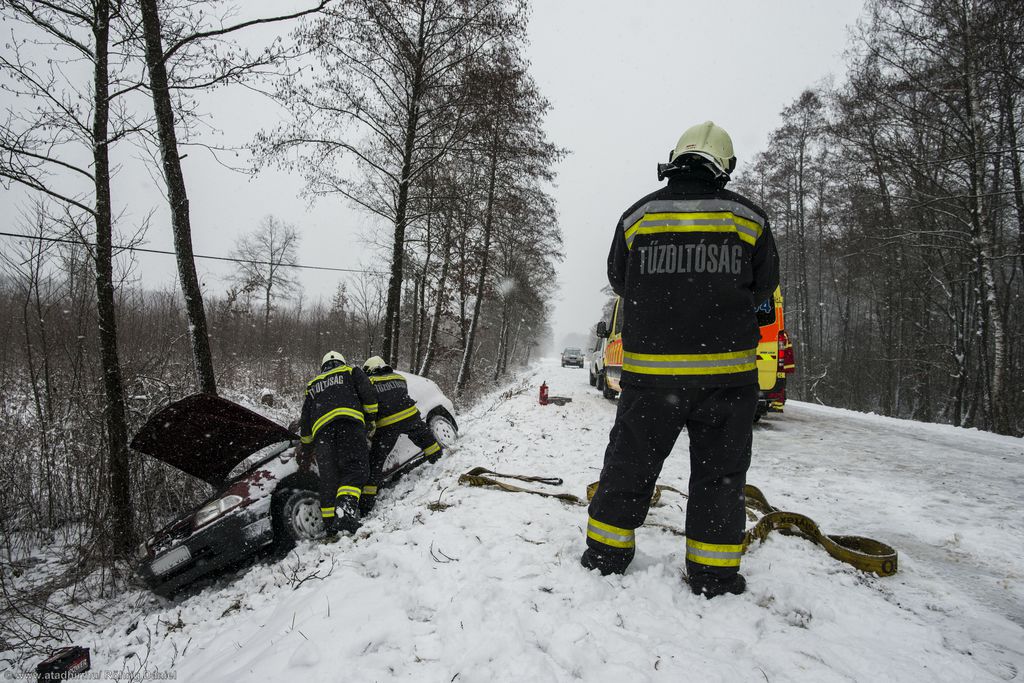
342 460
719 422
384 440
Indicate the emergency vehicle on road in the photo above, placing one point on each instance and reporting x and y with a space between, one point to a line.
774 356
609 370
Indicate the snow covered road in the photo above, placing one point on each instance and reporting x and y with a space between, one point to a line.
450 583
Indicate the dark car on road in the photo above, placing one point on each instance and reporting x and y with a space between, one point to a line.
265 483
572 356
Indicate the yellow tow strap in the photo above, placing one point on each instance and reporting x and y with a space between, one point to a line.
865 554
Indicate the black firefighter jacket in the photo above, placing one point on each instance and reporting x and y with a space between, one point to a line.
342 393
691 262
392 397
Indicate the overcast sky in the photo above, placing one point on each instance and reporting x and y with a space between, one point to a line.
624 79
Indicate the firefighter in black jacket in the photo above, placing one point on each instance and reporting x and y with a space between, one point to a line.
396 415
339 402
691 262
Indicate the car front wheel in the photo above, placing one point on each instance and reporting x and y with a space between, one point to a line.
295 515
593 378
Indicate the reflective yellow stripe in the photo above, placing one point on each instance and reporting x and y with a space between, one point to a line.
702 215
333 371
306 439
337 412
614 536
369 490
681 225
397 417
689 363
713 554
630 232
370 407
432 448
327 512
349 491
382 378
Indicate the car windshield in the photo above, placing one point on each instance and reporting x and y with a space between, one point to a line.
572 352
257 458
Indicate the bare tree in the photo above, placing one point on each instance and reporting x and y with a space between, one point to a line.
369 303
57 140
388 95
512 150
268 254
215 68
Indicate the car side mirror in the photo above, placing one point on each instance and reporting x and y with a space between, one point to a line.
602 329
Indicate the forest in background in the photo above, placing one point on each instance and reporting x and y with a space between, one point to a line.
896 200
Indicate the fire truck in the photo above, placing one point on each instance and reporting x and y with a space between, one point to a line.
774 356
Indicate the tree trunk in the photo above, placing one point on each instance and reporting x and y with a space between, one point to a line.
393 314
414 319
979 234
1015 173
463 294
502 338
515 344
120 509
428 355
467 356
178 199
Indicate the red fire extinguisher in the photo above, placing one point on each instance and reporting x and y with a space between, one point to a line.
544 394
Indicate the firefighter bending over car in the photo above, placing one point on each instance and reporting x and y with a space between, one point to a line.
691 262
397 415
339 402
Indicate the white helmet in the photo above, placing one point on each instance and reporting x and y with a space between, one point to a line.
332 356
709 142
374 363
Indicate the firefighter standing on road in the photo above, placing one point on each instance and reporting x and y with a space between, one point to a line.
397 415
691 261
338 404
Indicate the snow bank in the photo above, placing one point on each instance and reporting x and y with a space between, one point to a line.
449 583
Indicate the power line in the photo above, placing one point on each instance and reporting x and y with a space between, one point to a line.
211 258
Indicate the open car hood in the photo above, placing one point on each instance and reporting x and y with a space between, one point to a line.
206 436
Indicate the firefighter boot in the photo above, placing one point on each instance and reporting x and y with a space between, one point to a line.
330 531
347 514
712 585
366 503
607 561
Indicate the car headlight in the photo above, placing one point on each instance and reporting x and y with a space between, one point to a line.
212 511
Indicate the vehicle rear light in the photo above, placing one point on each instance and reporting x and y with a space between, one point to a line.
787 363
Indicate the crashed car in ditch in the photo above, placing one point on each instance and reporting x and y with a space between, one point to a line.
266 484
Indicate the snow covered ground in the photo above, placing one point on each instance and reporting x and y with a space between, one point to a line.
450 583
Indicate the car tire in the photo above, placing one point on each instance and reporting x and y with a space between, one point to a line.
600 381
593 378
295 516
443 430
608 392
